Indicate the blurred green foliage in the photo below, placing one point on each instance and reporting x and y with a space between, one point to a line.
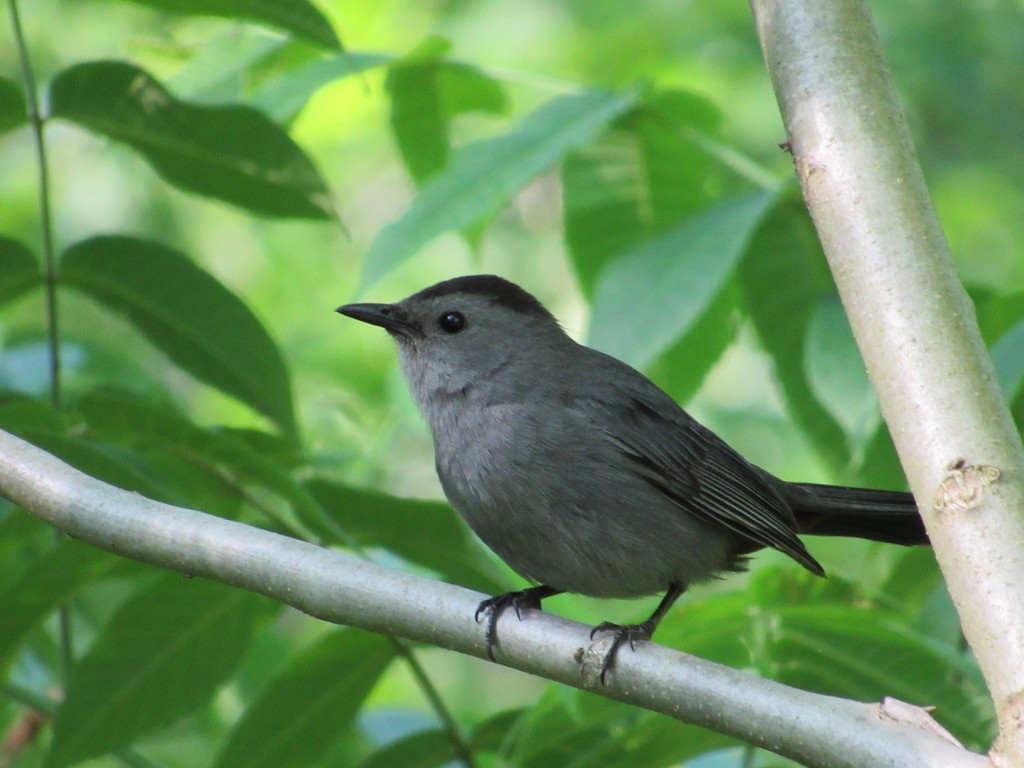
216 187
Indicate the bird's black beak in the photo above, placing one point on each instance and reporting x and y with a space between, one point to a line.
390 317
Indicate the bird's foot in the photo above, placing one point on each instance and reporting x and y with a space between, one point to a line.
624 633
493 607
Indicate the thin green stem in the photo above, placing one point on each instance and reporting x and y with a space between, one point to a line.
403 649
36 121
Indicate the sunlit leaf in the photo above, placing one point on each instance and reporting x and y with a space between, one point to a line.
19 270
299 17
309 704
159 657
232 153
189 315
484 175
284 95
427 92
784 276
638 179
441 541
12 105
648 297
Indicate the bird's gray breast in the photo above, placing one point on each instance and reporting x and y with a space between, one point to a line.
557 500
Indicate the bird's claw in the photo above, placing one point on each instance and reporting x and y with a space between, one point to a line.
495 606
623 633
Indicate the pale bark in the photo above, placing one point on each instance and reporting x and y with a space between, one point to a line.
913 321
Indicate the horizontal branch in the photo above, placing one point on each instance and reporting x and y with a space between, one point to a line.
813 729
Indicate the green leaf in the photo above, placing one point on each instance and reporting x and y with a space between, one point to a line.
650 296
866 655
485 174
19 269
12 105
296 16
442 542
283 96
185 312
637 180
784 276
836 373
160 657
310 704
148 428
425 749
45 585
232 153
1008 358
682 368
426 93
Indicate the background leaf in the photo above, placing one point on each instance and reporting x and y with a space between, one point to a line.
232 153
483 175
677 274
160 657
441 542
296 16
426 94
638 179
13 111
282 95
184 311
19 269
309 704
784 276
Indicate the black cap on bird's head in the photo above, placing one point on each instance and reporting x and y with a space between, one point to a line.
400 319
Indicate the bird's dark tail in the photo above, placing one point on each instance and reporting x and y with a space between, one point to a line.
834 510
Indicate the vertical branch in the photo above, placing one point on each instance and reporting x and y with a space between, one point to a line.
913 321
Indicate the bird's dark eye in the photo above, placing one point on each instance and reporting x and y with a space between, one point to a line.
451 322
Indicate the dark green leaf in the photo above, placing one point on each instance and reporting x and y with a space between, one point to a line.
866 655
784 276
147 428
162 655
682 368
296 16
184 311
836 373
19 270
441 541
232 153
51 578
426 93
484 175
426 749
636 180
310 703
649 297
284 95
12 105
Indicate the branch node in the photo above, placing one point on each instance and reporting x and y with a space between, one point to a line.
962 488
895 711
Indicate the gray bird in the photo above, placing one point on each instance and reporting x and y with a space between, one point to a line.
583 475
